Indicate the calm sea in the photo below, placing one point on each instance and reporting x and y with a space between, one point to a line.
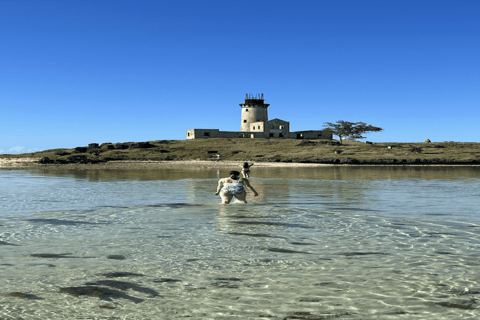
317 243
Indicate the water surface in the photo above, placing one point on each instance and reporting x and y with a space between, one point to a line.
358 243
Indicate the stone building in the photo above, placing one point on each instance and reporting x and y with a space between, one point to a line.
255 124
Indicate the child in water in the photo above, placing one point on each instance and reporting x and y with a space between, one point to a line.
246 169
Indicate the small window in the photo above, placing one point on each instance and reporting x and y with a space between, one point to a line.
253 127
281 135
188 134
271 135
206 134
244 121
246 110
258 127
280 127
272 126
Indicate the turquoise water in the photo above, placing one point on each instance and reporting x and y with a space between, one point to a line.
353 243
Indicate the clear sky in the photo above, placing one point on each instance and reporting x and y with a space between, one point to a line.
82 71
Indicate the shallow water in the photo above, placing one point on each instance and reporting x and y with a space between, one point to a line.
318 243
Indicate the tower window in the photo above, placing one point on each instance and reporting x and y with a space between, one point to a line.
246 110
244 121
280 127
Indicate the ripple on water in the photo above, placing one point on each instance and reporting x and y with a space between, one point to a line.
367 249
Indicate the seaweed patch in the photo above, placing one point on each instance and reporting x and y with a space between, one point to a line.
285 250
348 254
116 257
51 255
163 280
24 295
121 274
98 292
124 286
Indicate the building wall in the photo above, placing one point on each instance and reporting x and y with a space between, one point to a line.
276 132
253 111
212 133
310 134
277 128
257 126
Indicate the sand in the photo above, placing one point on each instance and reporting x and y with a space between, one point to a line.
33 164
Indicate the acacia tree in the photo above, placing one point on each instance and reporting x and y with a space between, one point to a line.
345 129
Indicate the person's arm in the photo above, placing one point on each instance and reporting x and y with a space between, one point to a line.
247 184
219 186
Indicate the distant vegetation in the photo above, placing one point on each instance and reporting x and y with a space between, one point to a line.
349 130
266 150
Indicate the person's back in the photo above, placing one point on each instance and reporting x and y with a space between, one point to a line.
234 186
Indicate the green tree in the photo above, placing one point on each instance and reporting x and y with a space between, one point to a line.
345 129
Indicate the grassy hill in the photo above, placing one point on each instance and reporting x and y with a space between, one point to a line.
268 150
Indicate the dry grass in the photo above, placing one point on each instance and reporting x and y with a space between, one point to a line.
273 150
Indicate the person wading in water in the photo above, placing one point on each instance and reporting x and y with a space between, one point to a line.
246 169
234 186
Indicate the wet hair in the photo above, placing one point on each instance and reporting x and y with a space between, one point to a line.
235 173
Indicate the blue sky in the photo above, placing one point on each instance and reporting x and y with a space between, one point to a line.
82 71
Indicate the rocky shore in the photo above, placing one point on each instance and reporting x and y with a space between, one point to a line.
264 152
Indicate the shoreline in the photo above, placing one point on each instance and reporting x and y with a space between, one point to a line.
33 164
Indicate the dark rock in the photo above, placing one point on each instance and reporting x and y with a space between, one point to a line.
45 160
50 255
116 257
306 143
99 292
60 161
110 146
24 295
62 153
134 145
121 274
77 159
80 150
93 146
368 142
121 146
140 145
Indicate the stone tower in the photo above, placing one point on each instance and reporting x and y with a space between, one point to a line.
253 110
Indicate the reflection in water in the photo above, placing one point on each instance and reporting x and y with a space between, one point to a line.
328 172
338 243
